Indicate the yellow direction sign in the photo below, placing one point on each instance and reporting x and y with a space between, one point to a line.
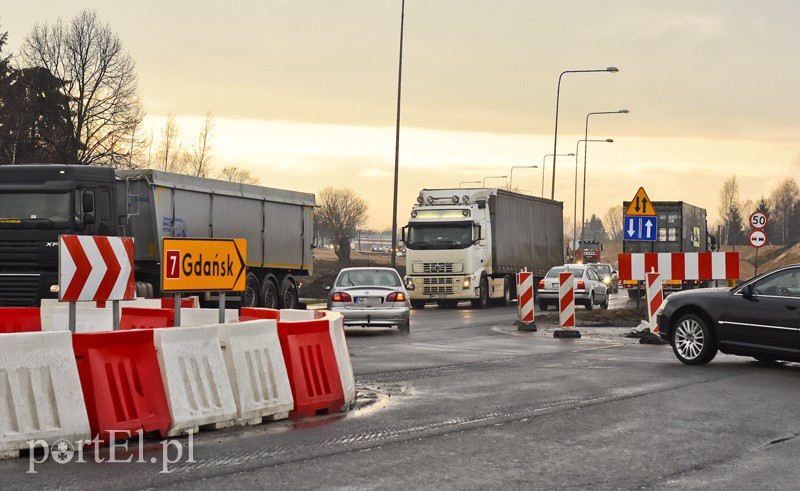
203 265
640 205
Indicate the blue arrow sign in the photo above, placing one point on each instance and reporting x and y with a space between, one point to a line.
640 228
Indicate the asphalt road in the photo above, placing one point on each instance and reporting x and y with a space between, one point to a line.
467 401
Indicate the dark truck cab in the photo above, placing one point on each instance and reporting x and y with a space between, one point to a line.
37 204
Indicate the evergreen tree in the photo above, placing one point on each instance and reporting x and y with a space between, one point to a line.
734 225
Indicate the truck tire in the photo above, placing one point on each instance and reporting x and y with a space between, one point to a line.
543 305
633 294
289 298
483 301
418 304
269 293
251 290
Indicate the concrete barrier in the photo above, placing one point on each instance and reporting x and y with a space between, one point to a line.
40 392
195 379
206 317
256 371
87 319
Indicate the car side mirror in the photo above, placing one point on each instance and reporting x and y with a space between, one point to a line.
327 288
747 291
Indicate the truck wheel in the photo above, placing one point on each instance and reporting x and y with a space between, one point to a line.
543 305
250 297
483 301
289 298
418 304
633 294
269 293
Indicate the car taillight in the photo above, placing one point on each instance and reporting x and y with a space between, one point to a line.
396 297
341 297
581 285
541 284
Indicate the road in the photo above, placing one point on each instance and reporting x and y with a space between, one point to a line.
467 401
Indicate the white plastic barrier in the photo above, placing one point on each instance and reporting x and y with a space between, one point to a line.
206 317
87 319
256 370
342 357
294 315
40 392
196 382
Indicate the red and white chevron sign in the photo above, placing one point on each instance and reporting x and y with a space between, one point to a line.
680 265
95 268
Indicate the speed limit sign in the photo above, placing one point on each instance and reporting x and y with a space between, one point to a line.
758 220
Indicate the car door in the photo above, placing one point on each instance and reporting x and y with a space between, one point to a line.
769 318
596 285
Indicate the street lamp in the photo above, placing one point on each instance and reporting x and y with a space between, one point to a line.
611 69
585 151
511 181
483 184
397 136
575 205
544 165
467 182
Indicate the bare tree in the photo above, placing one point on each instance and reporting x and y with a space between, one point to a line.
729 205
235 174
783 201
168 157
341 213
613 223
200 164
100 85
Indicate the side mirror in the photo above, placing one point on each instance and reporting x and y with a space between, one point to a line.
88 219
88 202
747 291
327 288
400 244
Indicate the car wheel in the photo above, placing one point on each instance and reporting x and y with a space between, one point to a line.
483 301
589 306
405 328
269 295
604 305
543 305
693 341
418 304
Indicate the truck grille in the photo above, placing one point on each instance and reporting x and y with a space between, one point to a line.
435 290
18 290
438 268
437 281
20 245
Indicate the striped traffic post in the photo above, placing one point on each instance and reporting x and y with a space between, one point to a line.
566 307
525 301
655 297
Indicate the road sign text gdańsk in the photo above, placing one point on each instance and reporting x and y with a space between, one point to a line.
197 265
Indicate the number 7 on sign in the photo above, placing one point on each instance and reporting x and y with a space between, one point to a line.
173 265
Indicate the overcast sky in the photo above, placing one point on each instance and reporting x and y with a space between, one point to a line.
304 90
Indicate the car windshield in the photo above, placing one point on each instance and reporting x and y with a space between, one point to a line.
439 235
576 272
369 277
602 269
45 207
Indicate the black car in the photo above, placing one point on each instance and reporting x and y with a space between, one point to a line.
759 318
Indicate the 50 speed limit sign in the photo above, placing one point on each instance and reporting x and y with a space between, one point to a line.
758 220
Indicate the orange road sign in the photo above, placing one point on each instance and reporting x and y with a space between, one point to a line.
640 205
203 265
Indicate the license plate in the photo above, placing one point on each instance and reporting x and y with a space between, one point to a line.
433 295
361 300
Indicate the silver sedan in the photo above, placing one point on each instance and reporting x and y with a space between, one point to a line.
371 297
589 288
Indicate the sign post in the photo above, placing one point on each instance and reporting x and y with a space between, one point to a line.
758 238
203 265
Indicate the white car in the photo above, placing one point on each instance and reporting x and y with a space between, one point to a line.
589 288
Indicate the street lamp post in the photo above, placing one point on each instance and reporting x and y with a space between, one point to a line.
483 184
575 204
610 69
544 165
585 151
397 136
467 182
511 180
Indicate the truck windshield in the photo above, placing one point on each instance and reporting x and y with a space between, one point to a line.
439 235
46 209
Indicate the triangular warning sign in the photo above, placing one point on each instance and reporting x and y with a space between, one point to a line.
640 205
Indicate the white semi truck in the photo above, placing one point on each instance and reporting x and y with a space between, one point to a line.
468 244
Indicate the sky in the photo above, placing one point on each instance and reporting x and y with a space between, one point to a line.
304 91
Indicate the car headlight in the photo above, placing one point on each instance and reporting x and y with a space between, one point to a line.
607 280
54 289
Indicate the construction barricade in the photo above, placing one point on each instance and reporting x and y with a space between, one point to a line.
206 317
87 319
40 392
336 322
122 384
311 363
20 319
186 303
525 301
253 313
292 315
655 297
137 318
566 307
256 371
195 379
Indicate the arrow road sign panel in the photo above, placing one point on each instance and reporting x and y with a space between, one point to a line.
640 205
640 228
210 265
95 268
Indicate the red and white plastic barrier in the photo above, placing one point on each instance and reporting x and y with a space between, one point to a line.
680 265
655 297
525 297
566 301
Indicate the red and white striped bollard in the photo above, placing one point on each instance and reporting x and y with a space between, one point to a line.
566 307
525 301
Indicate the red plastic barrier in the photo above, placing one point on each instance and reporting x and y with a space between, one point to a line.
136 318
319 314
311 363
121 383
20 319
186 303
252 314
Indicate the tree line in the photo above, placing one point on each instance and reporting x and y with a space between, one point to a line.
782 206
71 96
